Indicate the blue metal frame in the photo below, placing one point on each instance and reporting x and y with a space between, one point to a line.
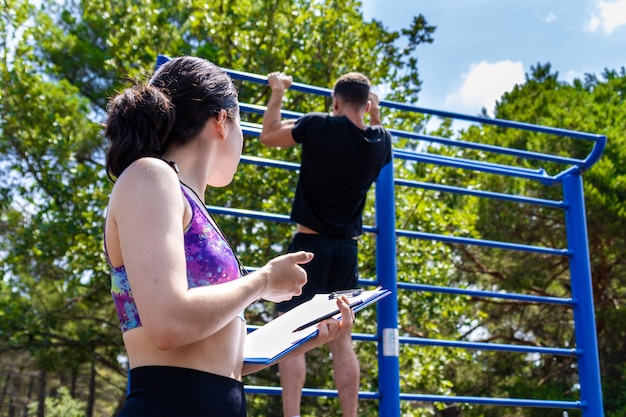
388 346
586 351
580 270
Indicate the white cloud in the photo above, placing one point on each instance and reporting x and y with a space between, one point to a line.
484 84
593 24
550 18
609 16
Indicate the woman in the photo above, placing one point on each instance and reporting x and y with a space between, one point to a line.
182 323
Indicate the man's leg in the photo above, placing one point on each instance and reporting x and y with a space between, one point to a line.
347 374
292 372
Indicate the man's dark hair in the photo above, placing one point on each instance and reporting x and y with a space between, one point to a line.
353 88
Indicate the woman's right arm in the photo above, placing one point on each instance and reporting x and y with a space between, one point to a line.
148 208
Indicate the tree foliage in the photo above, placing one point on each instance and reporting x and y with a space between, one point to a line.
61 61
589 105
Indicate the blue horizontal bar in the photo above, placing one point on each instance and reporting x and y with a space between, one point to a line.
255 129
416 184
508 402
308 392
364 337
492 121
486 294
503 347
476 166
262 79
422 341
248 131
479 242
488 148
250 214
260 215
326 92
592 157
480 193
255 108
428 398
255 160
420 156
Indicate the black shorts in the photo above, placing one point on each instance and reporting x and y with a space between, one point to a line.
166 391
334 266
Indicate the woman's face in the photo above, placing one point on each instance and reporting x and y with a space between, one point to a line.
235 137
230 154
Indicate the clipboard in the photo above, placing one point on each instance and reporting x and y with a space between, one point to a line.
280 336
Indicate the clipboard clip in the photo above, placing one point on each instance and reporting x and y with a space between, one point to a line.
347 293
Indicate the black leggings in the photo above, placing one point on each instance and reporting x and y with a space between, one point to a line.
165 391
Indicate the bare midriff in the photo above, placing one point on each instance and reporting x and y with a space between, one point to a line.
307 230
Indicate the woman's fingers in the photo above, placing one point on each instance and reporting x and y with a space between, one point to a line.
332 328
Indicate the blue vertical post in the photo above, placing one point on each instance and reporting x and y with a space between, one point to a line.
388 342
582 293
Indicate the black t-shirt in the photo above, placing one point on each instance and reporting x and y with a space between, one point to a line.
339 164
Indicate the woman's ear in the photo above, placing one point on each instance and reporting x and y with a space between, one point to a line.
220 123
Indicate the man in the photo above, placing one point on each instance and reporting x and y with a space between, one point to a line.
341 158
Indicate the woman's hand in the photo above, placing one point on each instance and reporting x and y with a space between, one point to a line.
332 329
329 330
285 276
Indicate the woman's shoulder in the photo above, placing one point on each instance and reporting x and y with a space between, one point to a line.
148 164
147 178
149 170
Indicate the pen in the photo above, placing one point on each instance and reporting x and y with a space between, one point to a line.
317 320
331 296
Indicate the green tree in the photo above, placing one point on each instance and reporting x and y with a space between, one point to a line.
589 105
61 62
53 192
61 405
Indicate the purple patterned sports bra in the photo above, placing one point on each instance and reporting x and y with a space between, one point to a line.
210 260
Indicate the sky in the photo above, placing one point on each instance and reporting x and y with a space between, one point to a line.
483 48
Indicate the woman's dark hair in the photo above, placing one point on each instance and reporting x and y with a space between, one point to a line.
173 107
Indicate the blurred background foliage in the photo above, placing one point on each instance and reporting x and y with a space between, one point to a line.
61 351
